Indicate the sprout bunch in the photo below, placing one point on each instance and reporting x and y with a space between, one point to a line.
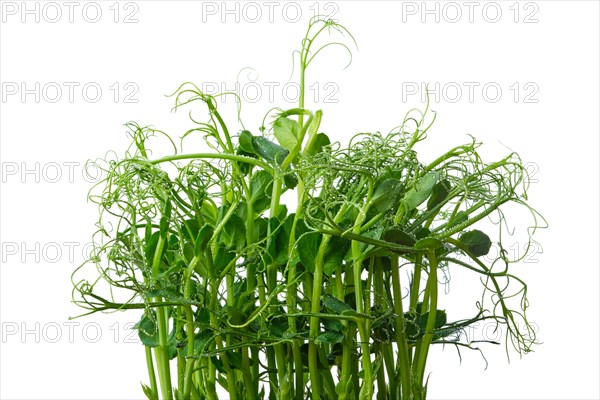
333 298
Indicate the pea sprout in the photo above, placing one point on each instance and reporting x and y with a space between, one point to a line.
337 299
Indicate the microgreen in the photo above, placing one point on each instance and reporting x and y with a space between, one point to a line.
335 299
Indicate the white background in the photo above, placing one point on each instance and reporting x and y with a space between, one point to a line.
180 41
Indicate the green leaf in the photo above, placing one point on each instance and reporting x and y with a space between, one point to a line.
428 243
172 253
151 247
459 218
421 190
440 319
477 242
202 341
172 344
422 232
299 230
209 212
278 243
164 226
235 360
239 287
202 316
412 327
150 394
260 227
188 252
147 331
233 235
386 195
308 247
246 149
236 316
222 258
333 325
278 326
246 141
286 132
375 367
334 305
334 254
416 323
148 231
281 212
439 193
218 365
268 150
168 208
398 236
261 186
373 233
190 229
290 180
245 167
203 238
321 140
329 337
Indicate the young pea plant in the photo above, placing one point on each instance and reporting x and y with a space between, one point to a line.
337 298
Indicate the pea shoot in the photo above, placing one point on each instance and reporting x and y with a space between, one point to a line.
336 297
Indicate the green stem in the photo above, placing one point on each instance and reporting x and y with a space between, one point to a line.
214 112
401 341
291 300
302 89
161 351
251 380
180 337
432 288
162 355
214 284
313 367
151 373
366 391
217 156
279 364
416 283
348 383
298 387
316 303
388 359
379 296
271 363
189 328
